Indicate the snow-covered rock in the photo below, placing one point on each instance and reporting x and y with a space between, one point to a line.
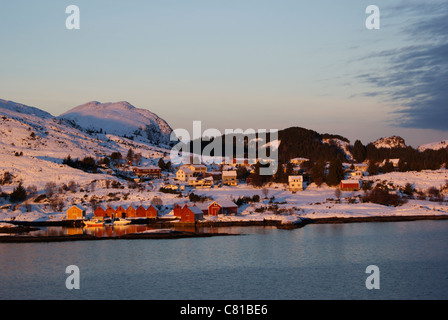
390 142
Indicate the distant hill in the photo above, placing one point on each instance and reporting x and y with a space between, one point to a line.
121 119
434 146
296 142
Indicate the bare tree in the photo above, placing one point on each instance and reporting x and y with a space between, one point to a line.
337 193
265 192
157 202
50 188
72 186
32 190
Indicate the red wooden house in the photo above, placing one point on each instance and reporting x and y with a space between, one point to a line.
110 212
130 212
177 210
151 212
350 185
222 207
120 212
191 214
99 212
140 212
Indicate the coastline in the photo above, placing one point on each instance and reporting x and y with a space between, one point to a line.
16 234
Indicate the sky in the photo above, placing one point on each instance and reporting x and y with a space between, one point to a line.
260 64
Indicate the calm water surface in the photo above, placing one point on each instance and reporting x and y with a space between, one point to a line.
314 262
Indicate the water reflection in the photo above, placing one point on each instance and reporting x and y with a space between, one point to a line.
117 230
103 231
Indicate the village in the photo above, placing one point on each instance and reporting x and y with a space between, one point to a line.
188 194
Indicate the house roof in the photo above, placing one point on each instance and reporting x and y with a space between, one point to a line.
78 206
290 178
224 203
230 173
195 210
349 181
185 170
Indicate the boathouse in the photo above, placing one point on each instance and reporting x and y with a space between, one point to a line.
130 212
191 214
99 212
76 213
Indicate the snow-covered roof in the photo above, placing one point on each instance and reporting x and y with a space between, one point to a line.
224 203
229 173
350 181
195 210
292 178
78 206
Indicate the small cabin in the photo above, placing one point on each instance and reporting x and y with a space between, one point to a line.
177 210
295 183
110 212
120 212
222 207
350 185
76 213
130 212
140 212
151 212
99 212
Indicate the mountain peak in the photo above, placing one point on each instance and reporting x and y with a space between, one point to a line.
120 118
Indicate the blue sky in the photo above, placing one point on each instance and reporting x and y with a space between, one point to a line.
237 63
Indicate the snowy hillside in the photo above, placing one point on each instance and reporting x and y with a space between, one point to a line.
434 146
33 144
121 119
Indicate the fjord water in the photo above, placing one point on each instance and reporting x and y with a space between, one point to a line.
319 261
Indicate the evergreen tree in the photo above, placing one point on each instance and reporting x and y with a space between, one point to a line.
161 164
359 151
130 155
387 167
372 168
318 173
336 173
18 194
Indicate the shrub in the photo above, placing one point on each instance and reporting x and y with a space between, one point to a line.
382 196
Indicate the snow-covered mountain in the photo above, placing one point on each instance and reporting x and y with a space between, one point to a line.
33 144
390 142
434 146
120 119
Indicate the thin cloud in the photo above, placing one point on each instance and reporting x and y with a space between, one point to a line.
416 76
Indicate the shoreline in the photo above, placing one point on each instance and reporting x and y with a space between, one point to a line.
131 236
26 226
